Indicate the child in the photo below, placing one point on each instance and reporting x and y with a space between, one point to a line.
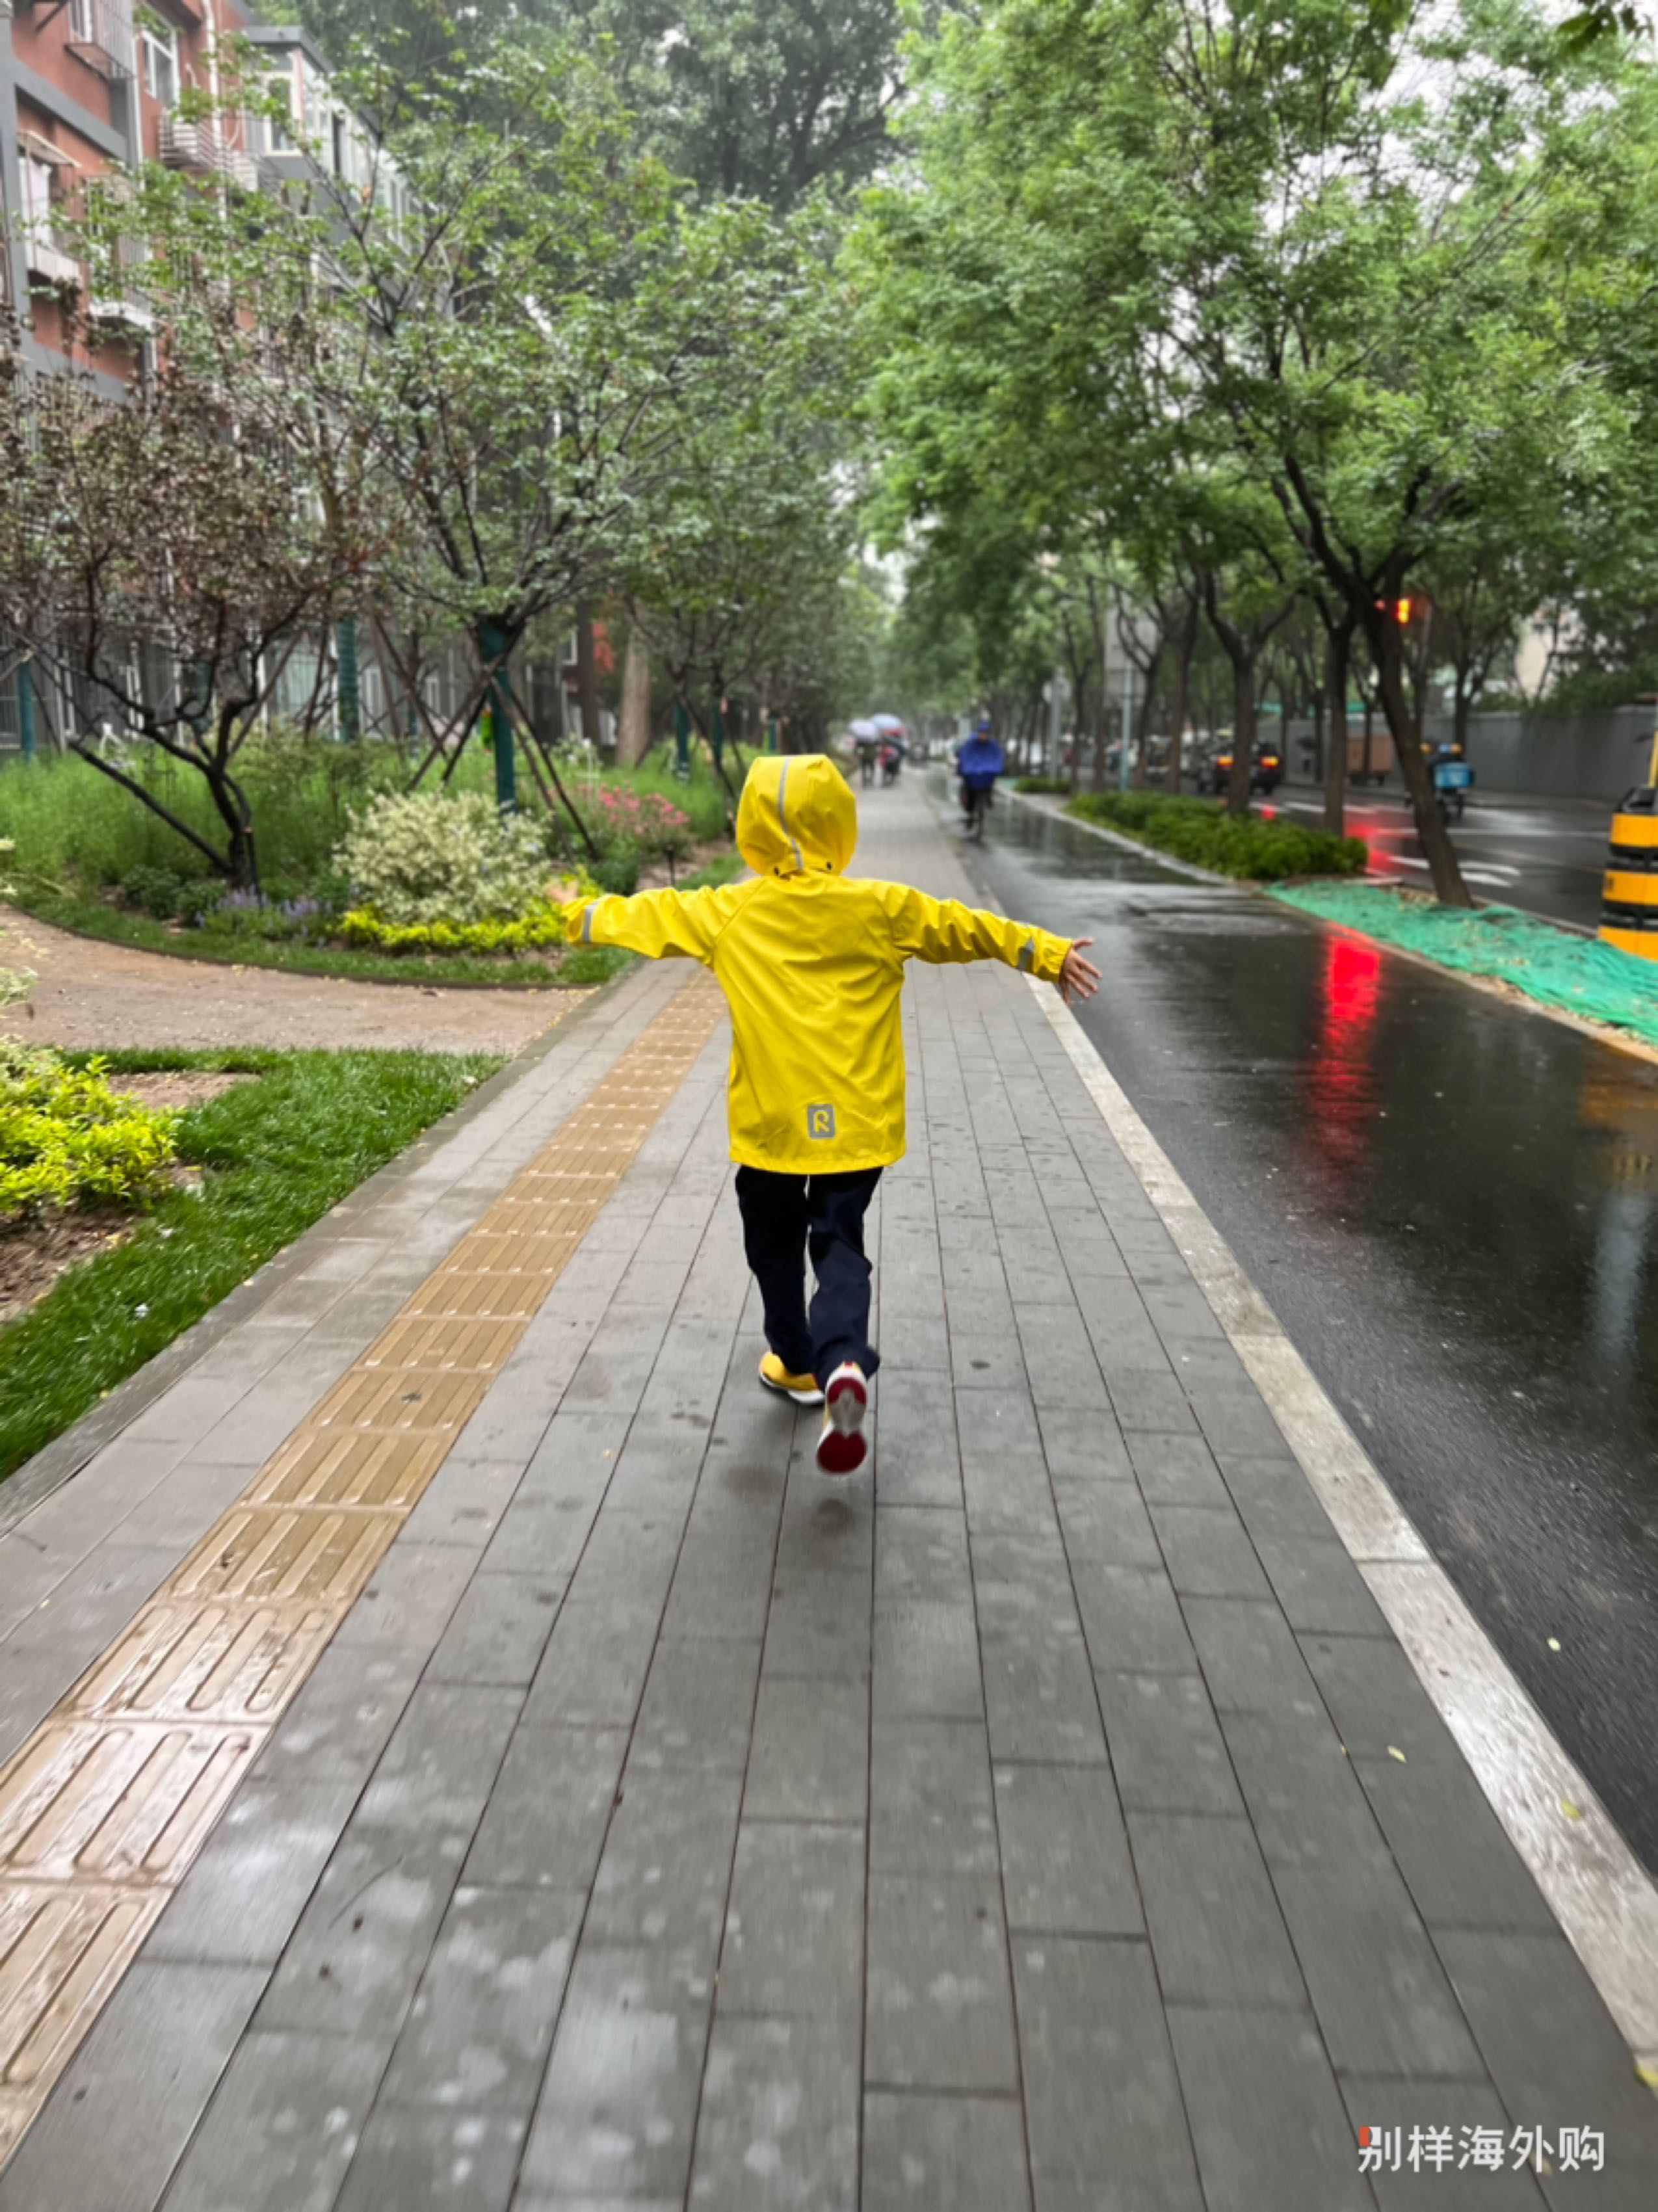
813 967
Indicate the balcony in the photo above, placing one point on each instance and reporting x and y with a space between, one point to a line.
100 35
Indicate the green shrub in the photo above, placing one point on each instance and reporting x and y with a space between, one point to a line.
429 857
541 923
65 1136
618 870
1051 786
159 892
1203 833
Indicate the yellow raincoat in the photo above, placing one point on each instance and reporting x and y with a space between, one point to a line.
813 967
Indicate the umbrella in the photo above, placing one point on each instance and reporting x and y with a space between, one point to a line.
864 729
888 725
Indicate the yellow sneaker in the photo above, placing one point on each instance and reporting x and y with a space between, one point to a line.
803 1388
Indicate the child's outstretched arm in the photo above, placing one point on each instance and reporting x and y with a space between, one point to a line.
659 923
939 930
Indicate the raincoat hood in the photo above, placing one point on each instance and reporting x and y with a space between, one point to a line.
797 817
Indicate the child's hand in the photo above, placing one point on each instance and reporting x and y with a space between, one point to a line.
1079 978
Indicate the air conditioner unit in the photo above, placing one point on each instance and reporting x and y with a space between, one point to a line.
193 146
122 314
51 266
242 170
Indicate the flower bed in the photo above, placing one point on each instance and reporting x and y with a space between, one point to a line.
1205 834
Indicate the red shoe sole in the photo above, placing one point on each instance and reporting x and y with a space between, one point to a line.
839 1454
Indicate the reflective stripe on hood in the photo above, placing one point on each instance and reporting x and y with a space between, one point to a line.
797 817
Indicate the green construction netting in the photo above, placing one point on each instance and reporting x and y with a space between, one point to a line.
1578 974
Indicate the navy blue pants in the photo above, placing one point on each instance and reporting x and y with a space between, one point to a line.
786 1216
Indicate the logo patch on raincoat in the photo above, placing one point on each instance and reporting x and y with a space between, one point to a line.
820 1121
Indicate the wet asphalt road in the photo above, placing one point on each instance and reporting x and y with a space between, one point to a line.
1452 1206
1545 854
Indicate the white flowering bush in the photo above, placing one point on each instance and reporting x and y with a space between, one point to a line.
430 856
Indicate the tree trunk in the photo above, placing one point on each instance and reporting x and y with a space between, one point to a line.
634 737
1185 646
1142 730
1461 708
1243 736
1335 762
1440 854
586 676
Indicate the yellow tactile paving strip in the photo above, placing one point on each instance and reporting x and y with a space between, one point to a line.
105 1806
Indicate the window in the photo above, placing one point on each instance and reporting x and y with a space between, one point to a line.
37 194
82 22
162 64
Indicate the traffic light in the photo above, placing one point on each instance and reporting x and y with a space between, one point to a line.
1402 612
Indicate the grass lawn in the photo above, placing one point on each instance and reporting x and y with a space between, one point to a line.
276 1153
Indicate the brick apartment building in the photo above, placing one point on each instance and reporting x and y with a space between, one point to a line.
89 88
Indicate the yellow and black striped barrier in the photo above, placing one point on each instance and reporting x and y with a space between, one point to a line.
1629 906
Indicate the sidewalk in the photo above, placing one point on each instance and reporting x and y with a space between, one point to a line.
487 1766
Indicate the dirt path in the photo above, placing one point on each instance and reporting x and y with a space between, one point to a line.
97 997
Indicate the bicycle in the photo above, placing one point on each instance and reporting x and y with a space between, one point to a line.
976 805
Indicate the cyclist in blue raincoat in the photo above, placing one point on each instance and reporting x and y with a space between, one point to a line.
979 763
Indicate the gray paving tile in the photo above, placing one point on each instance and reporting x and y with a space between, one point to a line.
940 2013
437 1771
409 1596
499 1631
1453 1850
1234 1418
118 2120
1384 2005
1060 1358
242 1897
932 1808
722 1583
778 2123
916 1459
1274 1496
1303 1796
1216 1928
480 2025
794 1927
542 1533
1427 2110
628 1558
923 1554
1315 1581
1208 1551
1377 1701
925 1659
925 2154
698 1707
1167 1751
464 1502
1039 1700
1131 1619
433 2162
1176 1469
618 2108
1107 1521
1143 1398
549 1809
810 1754
361 1942
341 1721
592 1671
1250 1659
1107 2127
1065 1865
1082 1445
282 2126
1551 2048
1266 2113
820 1623
665 1872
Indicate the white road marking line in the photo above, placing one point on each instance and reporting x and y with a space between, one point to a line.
1605 1901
